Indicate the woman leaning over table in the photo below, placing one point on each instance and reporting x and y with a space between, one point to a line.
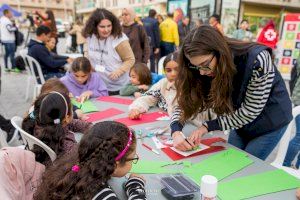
108 49
239 82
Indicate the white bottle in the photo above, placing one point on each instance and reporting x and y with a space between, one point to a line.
208 188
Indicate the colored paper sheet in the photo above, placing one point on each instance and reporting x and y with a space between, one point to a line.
97 116
86 107
155 167
212 149
220 165
145 118
175 156
256 185
118 100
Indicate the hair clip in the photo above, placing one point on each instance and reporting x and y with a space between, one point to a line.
56 121
75 168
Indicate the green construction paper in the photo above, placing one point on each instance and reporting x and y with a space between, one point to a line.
220 165
256 185
157 167
86 107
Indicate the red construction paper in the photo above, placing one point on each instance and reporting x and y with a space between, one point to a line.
97 116
175 156
118 100
145 118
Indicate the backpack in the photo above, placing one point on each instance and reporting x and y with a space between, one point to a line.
19 38
294 77
20 64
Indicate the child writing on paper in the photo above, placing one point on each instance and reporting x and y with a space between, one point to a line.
51 121
140 81
107 150
162 93
82 82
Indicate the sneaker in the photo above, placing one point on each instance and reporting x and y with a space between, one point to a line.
7 70
16 70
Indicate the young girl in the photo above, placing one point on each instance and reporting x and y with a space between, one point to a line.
54 84
81 81
162 93
107 150
140 80
51 122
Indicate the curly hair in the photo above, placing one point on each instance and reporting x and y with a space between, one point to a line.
48 108
197 93
96 17
96 158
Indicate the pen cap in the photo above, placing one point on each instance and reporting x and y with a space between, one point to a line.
209 185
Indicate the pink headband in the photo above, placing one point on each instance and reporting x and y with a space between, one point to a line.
126 147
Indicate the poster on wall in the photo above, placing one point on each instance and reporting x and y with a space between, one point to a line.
230 14
289 45
202 9
179 8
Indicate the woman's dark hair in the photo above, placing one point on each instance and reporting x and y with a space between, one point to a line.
172 56
143 73
81 64
52 18
96 17
197 93
47 118
95 156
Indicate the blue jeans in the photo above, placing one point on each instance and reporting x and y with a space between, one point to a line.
53 75
10 49
294 147
166 48
260 146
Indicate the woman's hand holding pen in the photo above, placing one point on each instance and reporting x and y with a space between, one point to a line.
181 143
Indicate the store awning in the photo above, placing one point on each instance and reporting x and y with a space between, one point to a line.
7 7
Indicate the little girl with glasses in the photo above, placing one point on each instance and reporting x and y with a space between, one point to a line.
107 150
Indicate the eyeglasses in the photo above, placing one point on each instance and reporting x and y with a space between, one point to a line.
134 160
204 67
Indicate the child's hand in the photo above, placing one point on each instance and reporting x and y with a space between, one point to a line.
137 94
86 95
134 114
137 176
143 87
80 114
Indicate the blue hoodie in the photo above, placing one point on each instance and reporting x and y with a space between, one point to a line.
48 63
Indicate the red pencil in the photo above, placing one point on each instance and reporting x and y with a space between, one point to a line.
153 150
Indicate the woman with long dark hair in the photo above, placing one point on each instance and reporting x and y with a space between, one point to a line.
108 49
239 82
48 20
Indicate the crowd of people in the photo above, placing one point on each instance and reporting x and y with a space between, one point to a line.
210 80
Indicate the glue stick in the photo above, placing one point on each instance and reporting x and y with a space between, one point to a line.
208 188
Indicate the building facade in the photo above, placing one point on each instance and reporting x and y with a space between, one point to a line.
62 9
141 7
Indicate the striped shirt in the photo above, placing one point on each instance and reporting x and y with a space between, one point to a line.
257 94
134 188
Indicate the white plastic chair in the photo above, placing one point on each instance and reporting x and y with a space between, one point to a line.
34 64
30 78
30 140
161 66
284 144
